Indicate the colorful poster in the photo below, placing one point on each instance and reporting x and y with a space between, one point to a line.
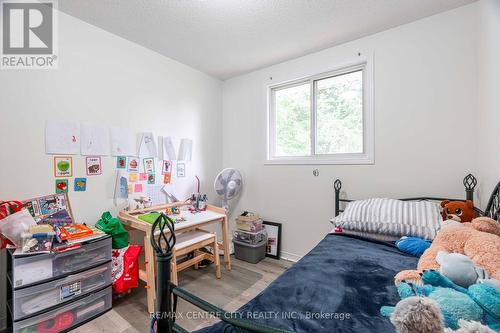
143 176
149 165
133 177
94 166
181 170
63 166
166 167
151 178
130 188
166 178
61 186
80 184
133 164
138 188
121 162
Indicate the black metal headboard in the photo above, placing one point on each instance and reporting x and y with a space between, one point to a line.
493 208
470 183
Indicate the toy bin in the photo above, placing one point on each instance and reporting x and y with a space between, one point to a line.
250 237
249 223
252 253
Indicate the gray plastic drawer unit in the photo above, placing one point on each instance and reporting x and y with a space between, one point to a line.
36 268
69 315
30 300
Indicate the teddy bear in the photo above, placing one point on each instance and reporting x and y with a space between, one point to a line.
460 211
479 302
479 240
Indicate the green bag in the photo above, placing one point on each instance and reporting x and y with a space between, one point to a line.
112 226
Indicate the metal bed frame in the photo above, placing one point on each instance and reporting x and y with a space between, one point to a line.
168 293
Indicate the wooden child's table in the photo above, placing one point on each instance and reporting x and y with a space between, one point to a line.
212 215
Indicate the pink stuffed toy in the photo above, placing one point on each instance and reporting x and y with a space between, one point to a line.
479 240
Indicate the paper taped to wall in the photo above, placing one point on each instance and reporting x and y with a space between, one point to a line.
123 142
62 137
166 149
147 147
94 140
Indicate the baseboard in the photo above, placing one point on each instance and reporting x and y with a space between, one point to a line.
290 256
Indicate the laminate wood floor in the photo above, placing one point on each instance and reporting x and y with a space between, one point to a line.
235 288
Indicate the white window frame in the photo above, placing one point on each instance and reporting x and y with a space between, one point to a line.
368 154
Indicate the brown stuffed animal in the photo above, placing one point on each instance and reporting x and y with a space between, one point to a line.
460 211
478 240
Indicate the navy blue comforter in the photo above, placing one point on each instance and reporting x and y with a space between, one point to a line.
337 287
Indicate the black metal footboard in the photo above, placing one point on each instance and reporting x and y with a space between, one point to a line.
168 293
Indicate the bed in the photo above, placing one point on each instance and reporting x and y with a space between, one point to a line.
340 285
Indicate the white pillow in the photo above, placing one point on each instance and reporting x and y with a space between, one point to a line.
392 217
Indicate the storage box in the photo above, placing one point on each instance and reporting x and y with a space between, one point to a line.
250 237
40 267
31 300
251 223
252 253
68 316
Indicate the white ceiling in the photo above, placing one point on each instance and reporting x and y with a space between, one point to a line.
225 38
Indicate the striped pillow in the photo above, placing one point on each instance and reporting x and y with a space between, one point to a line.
392 217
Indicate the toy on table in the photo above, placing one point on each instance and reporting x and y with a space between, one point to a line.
38 239
478 303
478 240
139 203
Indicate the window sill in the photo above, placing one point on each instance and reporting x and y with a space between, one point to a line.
319 161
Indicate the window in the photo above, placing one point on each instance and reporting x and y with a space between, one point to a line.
324 119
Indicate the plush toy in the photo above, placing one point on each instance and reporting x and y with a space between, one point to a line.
478 240
417 314
460 211
460 269
479 302
413 245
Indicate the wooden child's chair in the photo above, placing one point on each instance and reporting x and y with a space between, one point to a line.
194 241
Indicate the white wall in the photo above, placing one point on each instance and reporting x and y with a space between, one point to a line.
425 91
107 80
488 130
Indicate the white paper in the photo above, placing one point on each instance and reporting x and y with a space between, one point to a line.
62 137
161 154
185 150
155 193
94 140
168 149
122 142
171 192
147 147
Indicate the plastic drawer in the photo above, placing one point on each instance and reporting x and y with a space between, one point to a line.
41 267
28 301
67 316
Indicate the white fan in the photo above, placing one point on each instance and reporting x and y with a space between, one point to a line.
228 184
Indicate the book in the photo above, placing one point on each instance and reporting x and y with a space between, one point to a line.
73 232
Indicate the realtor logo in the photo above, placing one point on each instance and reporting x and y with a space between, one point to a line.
28 34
